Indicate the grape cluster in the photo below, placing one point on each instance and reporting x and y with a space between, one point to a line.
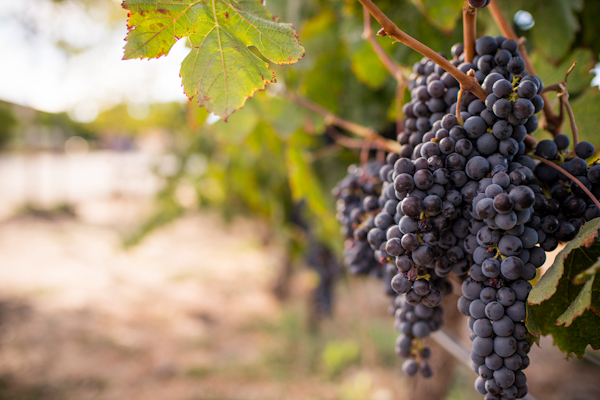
428 190
569 206
415 322
505 257
464 197
356 196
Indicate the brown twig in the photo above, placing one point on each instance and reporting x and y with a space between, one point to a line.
469 30
564 98
379 50
577 181
359 130
459 117
390 29
530 142
391 66
343 140
552 88
553 121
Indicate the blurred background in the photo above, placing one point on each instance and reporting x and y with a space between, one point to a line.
149 250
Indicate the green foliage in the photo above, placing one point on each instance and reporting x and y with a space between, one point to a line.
444 14
171 116
221 69
586 108
557 23
579 79
338 355
560 306
7 126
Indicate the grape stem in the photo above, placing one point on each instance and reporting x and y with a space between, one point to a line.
530 141
359 130
391 66
563 96
553 121
390 29
459 117
469 30
564 99
577 181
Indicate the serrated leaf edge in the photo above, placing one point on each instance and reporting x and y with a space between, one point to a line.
564 254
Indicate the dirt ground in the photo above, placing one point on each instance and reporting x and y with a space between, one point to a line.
189 315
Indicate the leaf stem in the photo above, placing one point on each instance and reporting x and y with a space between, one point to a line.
553 121
359 130
577 181
469 30
392 30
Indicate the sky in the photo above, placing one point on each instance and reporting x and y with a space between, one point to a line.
36 73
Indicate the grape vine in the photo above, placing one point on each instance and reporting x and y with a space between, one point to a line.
465 193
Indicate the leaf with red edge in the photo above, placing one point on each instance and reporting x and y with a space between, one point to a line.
220 70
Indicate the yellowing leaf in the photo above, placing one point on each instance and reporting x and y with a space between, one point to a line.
220 70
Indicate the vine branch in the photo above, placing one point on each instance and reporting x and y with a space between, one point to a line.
391 66
469 30
553 121
577 181
392 30
366 133
564 99
343 140
379 50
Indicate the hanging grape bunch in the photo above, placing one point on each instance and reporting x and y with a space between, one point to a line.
464 196
357 200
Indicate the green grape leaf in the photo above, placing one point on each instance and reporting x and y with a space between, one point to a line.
586 108
555 27
444 14
579 79
582 302
222 69
576 255
366 65
305 186
588 273
559 307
